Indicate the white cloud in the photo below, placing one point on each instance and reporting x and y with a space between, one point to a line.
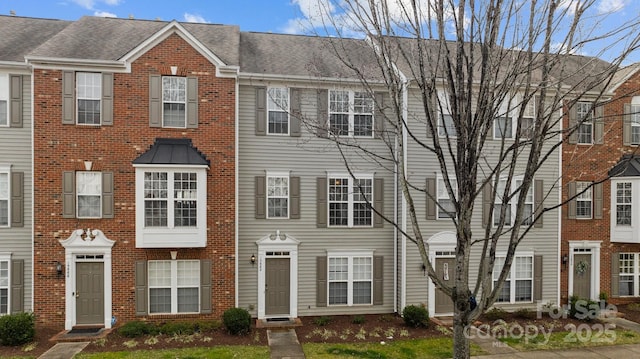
569 6
90 4
611 6
104 14
194 18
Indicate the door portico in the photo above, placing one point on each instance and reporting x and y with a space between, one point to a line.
442 255
584 269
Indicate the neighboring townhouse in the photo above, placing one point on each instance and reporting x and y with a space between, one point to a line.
308 242
135 156
19 37
600 225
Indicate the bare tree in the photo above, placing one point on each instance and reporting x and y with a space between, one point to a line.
491 80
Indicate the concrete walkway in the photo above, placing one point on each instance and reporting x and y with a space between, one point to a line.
64 350
284 344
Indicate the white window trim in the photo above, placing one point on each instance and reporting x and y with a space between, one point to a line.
579 198
509 107
635 102
279 109
162 102
635 276
352 113
78 194
616 203
165 237
286 175
513 203
351 192
6 257
350 255
585 122
512 276
99 99
174 286
5 86
440 178
7 169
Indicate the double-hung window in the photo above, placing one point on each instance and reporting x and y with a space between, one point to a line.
518 287
584 114
635 124
5 199
89 93
446 208
170 199
174 286
89 194
527 122
4 286
350 279
277 195
623 203
278 109
584 200
174 101
351 113
446 127
350 201
4 100
510 211
503 123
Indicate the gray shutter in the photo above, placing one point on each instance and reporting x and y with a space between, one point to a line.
538 197
260 201
598 124
615 275
537 277
261 111
141 287
378 115
107 99
17 199
571 205
192 102
68 194
626 125
15 96
378 282
597 201
205 286
294 197
17 286
378 202
107 195
68 98
321 202
487 201
323 113
295 115
430 190
321 281
573 121
155 101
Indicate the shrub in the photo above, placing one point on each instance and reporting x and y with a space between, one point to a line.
179 328
415 316
17 329
237 321
205 326
525 313
358 319
322 321
137 328
583 309
495 313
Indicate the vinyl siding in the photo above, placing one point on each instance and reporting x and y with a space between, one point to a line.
15 149
307 157
541 241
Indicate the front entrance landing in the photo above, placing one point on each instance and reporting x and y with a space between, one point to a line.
284 323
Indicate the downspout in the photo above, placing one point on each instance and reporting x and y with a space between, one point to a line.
558 279
237 170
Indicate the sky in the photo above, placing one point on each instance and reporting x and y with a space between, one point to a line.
277 16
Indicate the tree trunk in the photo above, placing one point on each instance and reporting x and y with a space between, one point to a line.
461 348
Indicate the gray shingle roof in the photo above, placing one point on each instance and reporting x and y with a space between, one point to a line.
307 56
99 38
627 166
172 151
20 35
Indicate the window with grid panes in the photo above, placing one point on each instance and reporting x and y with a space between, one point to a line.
585 128
350 280
527 121
4 287
277 196
174 286
510 212
623 203
170 198
447 210
89 93
278 109
583 200
628 274
349 201
635 124
350 113
4 100
446 127
89 194
174 101
518 287
4 198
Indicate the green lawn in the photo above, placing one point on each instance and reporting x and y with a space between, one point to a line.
218 352
583 336
401 349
